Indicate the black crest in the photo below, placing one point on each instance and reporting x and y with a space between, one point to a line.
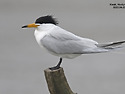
46 19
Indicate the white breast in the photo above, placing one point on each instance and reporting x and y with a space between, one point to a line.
42 31
39 36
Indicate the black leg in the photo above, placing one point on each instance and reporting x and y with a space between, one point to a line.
57 66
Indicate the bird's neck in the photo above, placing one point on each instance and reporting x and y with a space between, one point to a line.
42 31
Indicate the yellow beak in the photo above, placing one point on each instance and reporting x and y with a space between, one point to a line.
33 25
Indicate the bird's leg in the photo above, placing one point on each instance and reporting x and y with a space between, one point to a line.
57 66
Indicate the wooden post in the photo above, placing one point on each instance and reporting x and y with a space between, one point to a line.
56 81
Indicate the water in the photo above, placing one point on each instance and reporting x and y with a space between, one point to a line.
22 61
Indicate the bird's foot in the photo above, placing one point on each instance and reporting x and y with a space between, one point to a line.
54 68
57 66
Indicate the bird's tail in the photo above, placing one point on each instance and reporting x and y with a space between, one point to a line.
111 46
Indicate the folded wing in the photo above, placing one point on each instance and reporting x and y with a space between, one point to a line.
63 42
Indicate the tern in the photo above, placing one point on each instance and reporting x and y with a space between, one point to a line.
65 44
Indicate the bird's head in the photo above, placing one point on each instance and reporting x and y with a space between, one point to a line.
42 20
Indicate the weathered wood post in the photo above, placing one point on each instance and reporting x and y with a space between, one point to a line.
56 81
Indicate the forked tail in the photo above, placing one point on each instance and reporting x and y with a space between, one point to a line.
111 46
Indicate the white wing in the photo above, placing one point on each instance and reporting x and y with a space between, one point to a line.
60 41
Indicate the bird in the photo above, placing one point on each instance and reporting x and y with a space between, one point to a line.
64 44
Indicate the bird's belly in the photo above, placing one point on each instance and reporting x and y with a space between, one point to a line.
69 56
